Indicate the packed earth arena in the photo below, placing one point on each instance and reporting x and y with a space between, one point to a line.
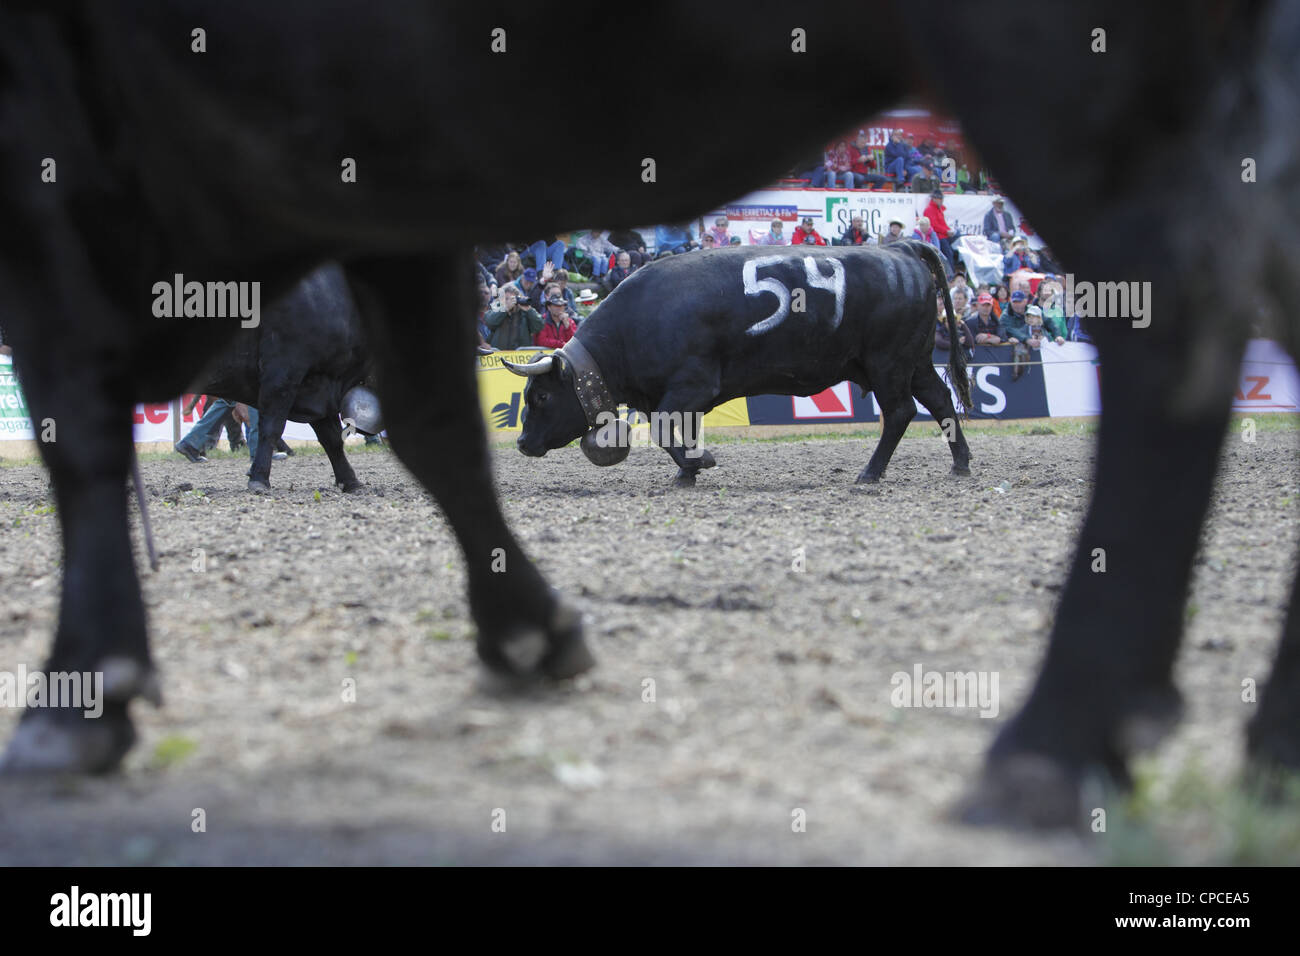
285 568
758 641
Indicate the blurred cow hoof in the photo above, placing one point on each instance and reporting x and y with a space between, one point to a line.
67 741
259 487
706 459
351 486
866 478
684 479
963 470
1273 764
1024 791
528 654
1272 782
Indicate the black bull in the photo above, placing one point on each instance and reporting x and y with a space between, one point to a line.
683 335
307 352
372 133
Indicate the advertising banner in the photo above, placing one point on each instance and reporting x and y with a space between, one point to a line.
1059 381
832 209
501 395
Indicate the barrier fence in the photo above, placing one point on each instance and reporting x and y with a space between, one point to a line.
1059 381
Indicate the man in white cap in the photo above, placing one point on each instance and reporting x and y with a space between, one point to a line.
997 224
895 232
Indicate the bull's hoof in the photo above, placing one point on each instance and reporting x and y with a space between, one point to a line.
1027 791
63 741
963 470
706 459
259 487
528 654
684 479
351 486
1273 763
1272 782
867 478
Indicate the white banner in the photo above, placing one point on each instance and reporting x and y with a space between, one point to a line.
832 209
154 423
1268 381
1070 378
151 423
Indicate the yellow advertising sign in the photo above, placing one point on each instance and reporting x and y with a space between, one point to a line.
501 395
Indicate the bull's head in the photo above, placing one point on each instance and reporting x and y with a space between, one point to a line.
553 416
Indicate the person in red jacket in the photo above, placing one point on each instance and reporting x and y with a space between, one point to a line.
934 212
865 172
806 235
558 327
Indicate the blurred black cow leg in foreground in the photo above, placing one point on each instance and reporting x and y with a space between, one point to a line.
1106 688
429 393
1271 739
1227 81
84 410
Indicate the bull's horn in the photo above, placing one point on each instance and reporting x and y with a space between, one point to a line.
540 367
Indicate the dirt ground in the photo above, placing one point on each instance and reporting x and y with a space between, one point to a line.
771 686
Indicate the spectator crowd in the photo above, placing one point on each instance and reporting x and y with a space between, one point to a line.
525 300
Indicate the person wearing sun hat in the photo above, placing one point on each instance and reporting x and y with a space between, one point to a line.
558 326
998 226
587 301
1019 257
894 234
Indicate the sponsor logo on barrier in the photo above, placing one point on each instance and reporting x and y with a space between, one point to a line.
1257 392
506 414
753 211
834 402
14 417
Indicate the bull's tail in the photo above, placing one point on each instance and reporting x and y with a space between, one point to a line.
957 376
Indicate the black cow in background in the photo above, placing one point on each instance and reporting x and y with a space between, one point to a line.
237 163
685 334
297 363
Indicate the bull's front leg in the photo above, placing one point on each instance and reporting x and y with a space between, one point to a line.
429 394
84 435
675 427
329 432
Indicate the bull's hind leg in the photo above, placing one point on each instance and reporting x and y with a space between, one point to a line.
896 411
329 432
83 424
418 317
930 391
274 398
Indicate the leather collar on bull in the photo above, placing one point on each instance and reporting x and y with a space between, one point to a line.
608 437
